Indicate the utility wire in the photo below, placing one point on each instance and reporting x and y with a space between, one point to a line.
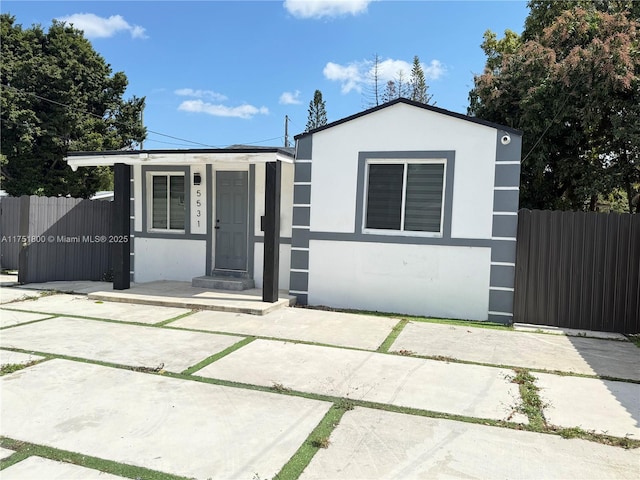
547 129
85 112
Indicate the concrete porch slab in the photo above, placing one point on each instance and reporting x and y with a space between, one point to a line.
7 357
470 390
588 356
40 468
604 406
9 318
176 426
332 328
182 294
80 305
117 343
374 444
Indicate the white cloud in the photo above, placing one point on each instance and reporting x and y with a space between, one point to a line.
435 70
289 98
354 75
217 110
351 76
190 92
325 8
102 27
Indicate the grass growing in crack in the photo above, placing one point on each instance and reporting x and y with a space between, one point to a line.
217 356
386 344
24 450
532 405
317 439
280 388
8 368
635 339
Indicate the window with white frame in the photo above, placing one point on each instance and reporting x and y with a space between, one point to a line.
167 204
405 196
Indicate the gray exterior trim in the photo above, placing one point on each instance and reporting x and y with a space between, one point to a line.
252 219
302 172
302 194
300 238
172 236
300 260
507 175
501 301
505 226
260 239
301 216
502 276
301 298
400 239
504 319
510 152
304 147
299 281
503 251
145 207
447 201
208 268
505 200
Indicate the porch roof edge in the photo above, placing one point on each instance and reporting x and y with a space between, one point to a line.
180 157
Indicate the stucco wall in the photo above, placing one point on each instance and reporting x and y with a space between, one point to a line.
441 281
336 263
404 128
168 259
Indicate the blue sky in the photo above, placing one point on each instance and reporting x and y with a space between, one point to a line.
219 73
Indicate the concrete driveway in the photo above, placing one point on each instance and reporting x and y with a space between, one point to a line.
112 390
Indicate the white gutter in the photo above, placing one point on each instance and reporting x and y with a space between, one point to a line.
174 158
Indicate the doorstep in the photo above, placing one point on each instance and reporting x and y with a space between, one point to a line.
184 295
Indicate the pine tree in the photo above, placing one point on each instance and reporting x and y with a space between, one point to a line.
390 92
317 112
417 83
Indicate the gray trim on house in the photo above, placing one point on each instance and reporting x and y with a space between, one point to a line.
172 236
447 201
400 239
208 269
299 280
251 242
187 207
304 147
505 226
506 200
260 239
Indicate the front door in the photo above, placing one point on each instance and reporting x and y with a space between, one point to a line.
231 221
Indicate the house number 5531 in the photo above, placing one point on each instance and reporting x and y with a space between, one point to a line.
198 205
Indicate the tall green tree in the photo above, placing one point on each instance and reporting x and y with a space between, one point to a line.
59 95
317 112
572 84
417 83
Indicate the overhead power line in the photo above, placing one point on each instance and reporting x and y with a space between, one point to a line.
86 112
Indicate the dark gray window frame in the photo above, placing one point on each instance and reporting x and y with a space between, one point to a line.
157 233
447 204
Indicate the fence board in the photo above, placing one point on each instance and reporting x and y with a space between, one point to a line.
9 231
66 238
578 270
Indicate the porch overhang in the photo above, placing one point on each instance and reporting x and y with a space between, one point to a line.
181 157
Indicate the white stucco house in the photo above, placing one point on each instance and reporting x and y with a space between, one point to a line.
403 208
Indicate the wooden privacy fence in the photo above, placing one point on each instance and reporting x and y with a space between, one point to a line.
50 239
578 270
